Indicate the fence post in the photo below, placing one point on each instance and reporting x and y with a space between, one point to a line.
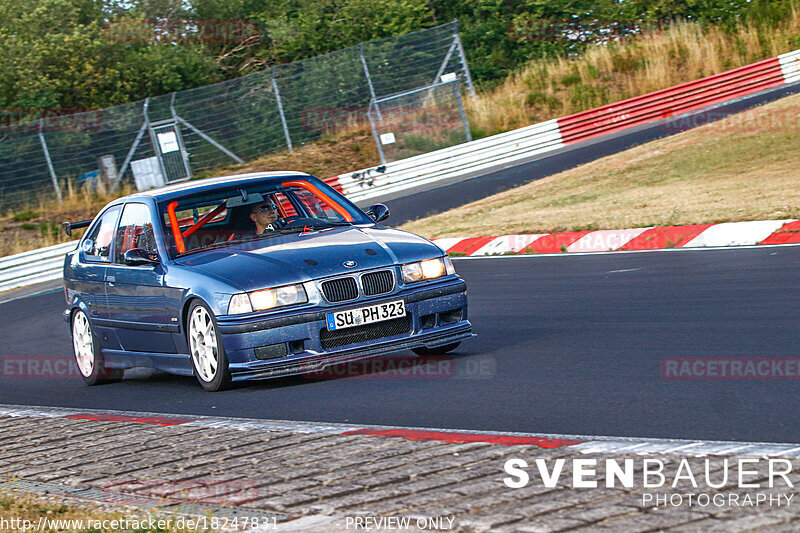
369 80
280 110
375 132
463 60
463 114
184 153
156 146
49 161
134 146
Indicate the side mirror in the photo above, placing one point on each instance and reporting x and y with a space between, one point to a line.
139 256
378 212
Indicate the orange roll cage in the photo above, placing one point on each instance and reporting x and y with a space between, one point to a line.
314 190
178 235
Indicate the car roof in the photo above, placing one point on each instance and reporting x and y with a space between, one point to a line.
185 188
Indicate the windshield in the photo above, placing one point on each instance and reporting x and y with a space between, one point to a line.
254 212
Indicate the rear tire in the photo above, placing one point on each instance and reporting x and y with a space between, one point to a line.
209 362
439 350
88 356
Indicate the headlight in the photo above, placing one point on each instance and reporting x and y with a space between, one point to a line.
267 299
429 269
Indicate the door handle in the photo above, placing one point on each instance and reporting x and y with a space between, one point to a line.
110 280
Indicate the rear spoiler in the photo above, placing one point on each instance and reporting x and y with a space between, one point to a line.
69 226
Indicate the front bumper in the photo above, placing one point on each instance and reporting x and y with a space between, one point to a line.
437 315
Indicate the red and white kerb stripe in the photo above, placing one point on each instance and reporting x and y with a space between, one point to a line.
693 236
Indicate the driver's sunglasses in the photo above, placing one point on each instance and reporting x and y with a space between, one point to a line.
268 207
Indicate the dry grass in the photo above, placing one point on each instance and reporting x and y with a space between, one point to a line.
20 508
742 168
683 52
332 154
39 224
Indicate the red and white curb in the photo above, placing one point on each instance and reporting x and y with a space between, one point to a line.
578 443
760 232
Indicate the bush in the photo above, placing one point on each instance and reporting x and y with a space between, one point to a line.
24 216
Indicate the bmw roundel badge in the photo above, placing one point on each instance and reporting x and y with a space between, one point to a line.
350 264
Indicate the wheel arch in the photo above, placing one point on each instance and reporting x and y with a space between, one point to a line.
78 304
185 311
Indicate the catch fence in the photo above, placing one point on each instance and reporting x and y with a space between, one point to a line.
171 137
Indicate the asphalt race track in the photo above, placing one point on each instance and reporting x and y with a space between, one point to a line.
567 345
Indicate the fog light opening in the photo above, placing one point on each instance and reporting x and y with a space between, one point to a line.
273 351
451 317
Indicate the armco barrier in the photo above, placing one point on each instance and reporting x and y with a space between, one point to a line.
498 150
547 136
32 267
452 162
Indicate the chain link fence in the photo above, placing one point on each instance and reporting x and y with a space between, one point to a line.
418 121
170 137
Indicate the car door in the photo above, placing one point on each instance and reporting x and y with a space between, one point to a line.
89 273
138 308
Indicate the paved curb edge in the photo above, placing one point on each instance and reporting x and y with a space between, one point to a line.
581 443
751 233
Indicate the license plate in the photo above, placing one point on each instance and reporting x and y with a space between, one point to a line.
365 315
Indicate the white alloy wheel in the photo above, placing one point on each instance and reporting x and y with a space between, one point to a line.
203 344
84 344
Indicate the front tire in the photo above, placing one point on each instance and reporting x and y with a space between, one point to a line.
439 350
88 357
208 356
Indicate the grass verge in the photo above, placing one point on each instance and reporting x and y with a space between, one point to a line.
17 512
744 167
556 87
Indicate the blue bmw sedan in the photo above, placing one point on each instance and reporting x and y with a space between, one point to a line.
250 277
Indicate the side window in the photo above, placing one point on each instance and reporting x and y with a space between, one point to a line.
316 207
97 245
286 207
135 231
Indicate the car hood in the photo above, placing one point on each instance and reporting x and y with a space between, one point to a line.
294 258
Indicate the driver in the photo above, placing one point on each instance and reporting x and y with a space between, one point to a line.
266 217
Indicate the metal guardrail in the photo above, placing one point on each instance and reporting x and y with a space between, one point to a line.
452 162
491 152
36 266
498 150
